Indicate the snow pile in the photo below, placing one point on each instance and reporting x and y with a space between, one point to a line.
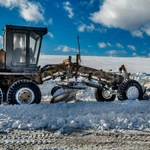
65 117
141 77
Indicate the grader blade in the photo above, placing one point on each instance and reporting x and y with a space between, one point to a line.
66 96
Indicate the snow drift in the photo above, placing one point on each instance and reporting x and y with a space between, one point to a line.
64 117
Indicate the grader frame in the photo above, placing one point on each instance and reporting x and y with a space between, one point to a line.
20 75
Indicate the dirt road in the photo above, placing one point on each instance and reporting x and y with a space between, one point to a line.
78 140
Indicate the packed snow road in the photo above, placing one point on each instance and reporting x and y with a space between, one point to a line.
79 140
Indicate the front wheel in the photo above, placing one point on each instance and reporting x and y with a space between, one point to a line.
24 92
130 89
104 95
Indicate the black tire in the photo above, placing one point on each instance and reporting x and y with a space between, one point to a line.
99 95
1 96
54 89
130 89
24 92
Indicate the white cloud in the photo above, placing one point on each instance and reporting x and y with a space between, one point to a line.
134 55
109 44
50 35
147 31
148 54
102 45
119 45
1 40
102 30
10 3
137 33
50 21
65 49
84 27
116 52
67 7
92 1
130 15
30 11
131 47
111 52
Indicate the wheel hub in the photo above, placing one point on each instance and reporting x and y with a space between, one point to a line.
106 94
25 96
132 93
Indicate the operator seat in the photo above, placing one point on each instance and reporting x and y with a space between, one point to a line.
2 59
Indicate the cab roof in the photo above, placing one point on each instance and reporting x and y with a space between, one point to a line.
38 30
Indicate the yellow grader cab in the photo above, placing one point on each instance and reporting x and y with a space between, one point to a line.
20 74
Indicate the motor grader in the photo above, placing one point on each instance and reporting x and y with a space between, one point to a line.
20 74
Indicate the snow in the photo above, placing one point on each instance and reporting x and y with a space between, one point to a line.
64 117
88 114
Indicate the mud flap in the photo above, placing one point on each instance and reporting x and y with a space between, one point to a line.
66 96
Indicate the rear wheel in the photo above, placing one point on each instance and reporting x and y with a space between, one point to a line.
24 92
103 95
130 89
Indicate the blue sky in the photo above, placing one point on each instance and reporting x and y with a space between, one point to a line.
106 27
